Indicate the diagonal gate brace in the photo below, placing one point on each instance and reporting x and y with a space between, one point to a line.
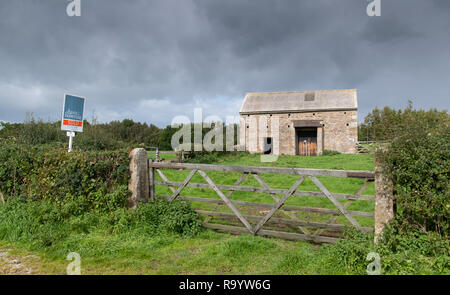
279 204
226 200
182 186
335 202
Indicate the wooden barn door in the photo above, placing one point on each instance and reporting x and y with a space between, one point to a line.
307 142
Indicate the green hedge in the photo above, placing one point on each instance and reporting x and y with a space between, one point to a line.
43 172
419 164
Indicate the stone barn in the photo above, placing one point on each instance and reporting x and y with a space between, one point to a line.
303 122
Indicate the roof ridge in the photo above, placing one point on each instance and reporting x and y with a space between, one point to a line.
301 91
298 100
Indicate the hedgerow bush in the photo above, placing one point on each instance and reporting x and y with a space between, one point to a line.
52 195
418 162
406 253
416 240
97 180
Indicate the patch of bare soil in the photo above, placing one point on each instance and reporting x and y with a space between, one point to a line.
14 265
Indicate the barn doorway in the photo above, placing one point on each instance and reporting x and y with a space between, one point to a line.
306 141
268 146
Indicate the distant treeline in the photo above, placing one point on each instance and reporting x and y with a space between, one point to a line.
387 124
105 136
379 125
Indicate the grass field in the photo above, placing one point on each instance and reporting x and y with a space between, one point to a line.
333 184
134 252
208 253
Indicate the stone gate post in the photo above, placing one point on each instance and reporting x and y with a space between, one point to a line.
384 198
139 180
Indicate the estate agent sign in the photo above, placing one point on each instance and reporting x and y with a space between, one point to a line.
72 117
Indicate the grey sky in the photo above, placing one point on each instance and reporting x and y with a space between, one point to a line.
153 60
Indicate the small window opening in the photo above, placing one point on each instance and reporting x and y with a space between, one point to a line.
310 96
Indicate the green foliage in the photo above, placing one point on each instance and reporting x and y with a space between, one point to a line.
33 131
164 140
387 124
330 153
408 253
214 134
45 223
203 157
413 252
176 217
348 256
105 136
418 161
110 136
96 179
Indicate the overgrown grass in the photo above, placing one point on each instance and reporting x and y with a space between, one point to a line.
145 242
161 239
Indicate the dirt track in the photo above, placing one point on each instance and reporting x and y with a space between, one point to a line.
14 265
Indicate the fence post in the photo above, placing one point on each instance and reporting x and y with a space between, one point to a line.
139 181
384 197
151 180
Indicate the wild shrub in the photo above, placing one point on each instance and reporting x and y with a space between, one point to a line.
416 240
348 256
418 161
94 180
45 223
177 217
202 157
411 253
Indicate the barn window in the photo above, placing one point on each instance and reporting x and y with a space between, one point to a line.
345 113
310 96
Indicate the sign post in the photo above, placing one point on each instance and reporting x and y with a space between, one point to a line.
72 117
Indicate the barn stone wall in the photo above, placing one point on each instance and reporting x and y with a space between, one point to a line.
340 131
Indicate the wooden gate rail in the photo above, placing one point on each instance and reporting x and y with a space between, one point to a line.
273 170
270 206
269 218
263 190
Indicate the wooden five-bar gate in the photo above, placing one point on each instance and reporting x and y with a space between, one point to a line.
288 228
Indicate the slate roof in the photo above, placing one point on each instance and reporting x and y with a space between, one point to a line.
299 101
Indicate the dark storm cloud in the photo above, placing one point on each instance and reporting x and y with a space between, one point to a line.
153 60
